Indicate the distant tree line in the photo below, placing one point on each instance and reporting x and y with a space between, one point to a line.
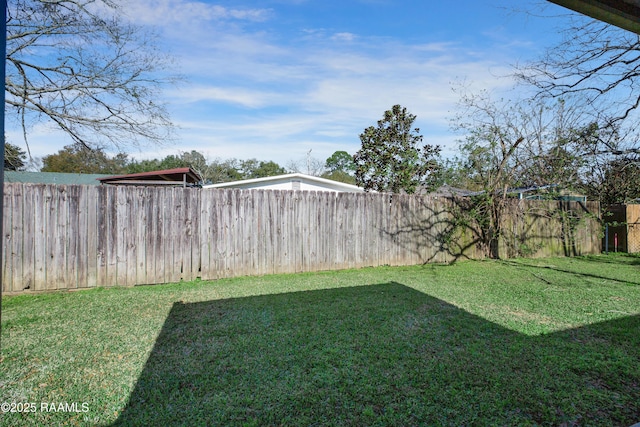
77 158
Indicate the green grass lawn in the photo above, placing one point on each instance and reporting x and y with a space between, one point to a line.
520 342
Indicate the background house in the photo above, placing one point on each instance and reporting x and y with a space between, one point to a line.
292 181
546 192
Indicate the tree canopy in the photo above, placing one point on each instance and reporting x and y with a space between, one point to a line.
76 158
615 181
340 167
393 158
340 161
15 158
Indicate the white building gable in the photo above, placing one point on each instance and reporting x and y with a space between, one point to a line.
292 181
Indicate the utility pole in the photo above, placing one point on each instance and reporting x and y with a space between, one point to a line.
3 50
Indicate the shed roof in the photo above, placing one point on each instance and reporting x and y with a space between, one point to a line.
622 13
174 176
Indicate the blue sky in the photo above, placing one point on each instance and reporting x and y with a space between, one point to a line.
274 79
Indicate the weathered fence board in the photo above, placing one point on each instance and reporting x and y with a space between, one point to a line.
633 228
70 237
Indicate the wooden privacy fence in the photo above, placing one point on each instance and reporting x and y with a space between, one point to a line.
70 237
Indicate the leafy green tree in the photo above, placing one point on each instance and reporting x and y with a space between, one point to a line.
340 161
340 176
224 171
15 158
616 181
393 158
193 159
246 168
264 169
340 167
146 165
254 168
77 158
173 161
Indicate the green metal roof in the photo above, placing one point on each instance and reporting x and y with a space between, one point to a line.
53 178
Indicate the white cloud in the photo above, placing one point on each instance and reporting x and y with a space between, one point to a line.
244 97
184 12
344 37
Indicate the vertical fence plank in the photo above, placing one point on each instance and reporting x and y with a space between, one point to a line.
169 234
101 243
257 210
222 256
246 236
7 239
72 240
301 228
191 256
50 215
155 241
57 249
150 236
274 241
373 228
341 232
28 250
141 224
54 256
40 237
176 242
224 252
131 254
234 238
122 234
317 219
82 235
91 196
111 237
160 229
183 228
205 231
216 233
14 233
194 233
17 231
281 262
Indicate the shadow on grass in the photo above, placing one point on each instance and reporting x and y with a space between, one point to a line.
379 355
618 260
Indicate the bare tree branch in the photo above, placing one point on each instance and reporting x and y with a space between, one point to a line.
599 62
75 64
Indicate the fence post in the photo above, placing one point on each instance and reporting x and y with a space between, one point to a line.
3 49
